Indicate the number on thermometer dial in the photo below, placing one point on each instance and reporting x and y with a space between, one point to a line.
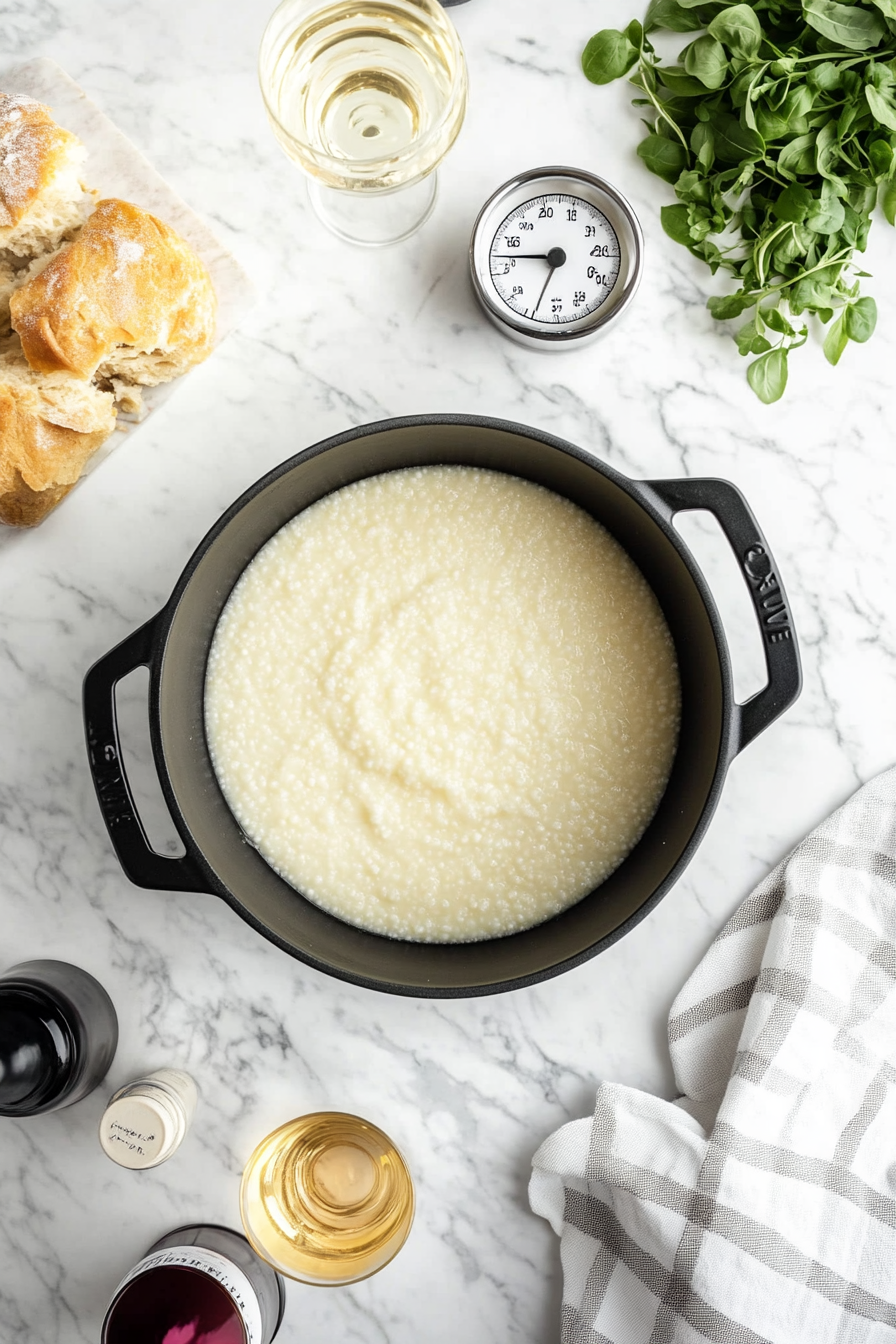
525 259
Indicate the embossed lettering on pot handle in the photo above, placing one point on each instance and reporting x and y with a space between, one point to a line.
139 860
757 565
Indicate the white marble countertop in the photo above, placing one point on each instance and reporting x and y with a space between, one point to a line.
342 336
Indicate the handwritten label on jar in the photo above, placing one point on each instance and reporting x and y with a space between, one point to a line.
218 1267
131 1138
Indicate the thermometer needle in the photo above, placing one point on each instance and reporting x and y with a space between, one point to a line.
544 287
555 258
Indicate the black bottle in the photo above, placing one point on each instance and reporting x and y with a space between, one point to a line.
201 1282
58 1033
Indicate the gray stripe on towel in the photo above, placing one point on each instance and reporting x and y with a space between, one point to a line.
764 1243
816 1171
592 1216
731 1000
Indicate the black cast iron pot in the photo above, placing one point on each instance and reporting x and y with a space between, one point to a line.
174 645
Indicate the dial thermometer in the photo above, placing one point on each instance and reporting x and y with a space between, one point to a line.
556 256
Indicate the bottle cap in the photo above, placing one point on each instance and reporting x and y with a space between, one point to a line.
146 1121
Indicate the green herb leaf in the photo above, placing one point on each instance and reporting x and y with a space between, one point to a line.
767 375
798 158
880 154
664 157
678 81
735 143
847 25
888 202
703 143
793 204
739 29
725 306
607 56
813 291
824 77
788 250
743 338
883 109
798 100
775 319
828 150
705 59
827 213
675 221
672 16
750 342
769 124
881 76
860 319
835 342
635 33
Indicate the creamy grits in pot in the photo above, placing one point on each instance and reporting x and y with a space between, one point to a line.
443 703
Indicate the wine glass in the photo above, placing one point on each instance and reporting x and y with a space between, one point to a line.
367 96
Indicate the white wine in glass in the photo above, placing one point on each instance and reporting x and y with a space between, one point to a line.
367 96
327 1199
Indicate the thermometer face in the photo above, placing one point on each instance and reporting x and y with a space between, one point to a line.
555 259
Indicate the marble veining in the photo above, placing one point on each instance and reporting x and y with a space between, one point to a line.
338 337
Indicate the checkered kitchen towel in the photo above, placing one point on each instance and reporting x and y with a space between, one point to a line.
761 1206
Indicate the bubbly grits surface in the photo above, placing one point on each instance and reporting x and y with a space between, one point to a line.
443 703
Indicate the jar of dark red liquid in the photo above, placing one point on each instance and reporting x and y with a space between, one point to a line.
200 1284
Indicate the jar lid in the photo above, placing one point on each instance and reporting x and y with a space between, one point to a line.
141 1128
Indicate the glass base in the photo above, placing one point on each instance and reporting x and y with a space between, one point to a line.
374 220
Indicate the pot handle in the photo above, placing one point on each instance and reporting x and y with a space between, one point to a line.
139 860
757 564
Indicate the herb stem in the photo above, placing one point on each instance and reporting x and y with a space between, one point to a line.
659 107
762 251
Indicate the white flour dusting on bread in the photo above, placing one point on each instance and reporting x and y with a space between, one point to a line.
42 198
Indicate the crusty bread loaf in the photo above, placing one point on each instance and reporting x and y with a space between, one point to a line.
89 311
42 200
128 298
50 425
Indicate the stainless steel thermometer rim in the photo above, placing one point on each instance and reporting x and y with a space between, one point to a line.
557 181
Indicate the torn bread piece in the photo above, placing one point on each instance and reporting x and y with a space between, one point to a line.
51 424
128 299
42 198
11 279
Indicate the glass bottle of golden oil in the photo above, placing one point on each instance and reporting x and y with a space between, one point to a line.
327 1199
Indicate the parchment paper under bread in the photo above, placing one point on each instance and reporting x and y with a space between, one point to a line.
115 167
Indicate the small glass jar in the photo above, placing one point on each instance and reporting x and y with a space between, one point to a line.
200 1282
58 1036
147 1119
327 1199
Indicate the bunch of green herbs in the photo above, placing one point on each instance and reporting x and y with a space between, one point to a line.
777 129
